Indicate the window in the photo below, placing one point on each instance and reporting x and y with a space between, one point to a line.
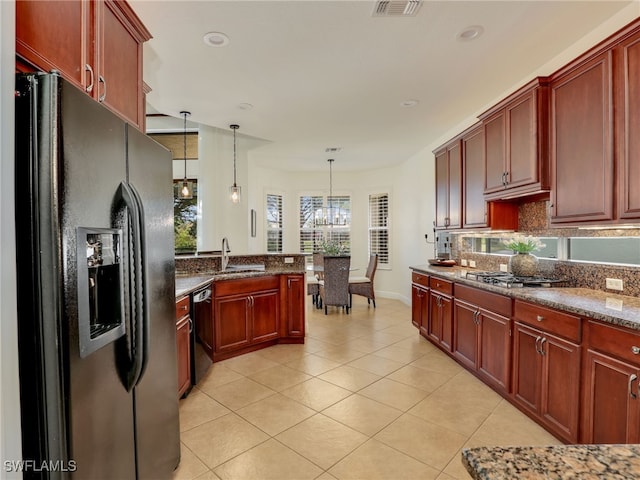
617 250
274 223
379 227
185 214
313 228
496 246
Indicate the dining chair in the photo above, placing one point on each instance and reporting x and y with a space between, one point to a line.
334 287
364 285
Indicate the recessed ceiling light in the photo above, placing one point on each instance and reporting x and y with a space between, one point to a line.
470 33
409 103
215 39
245 106
332 149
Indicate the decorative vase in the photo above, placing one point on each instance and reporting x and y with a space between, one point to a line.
523 265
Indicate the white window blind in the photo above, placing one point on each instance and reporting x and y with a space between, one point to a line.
379 227
274 223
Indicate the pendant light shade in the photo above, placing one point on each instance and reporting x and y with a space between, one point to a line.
186 191
235 192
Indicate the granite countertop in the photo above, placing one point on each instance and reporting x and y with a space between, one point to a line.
616 309
556 462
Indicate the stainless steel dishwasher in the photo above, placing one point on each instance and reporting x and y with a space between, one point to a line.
202 334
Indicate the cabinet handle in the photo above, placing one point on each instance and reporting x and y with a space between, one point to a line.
104 88
542 352
506 178
632 379
289 283
87 68
540 318
635 350
184 307
538 338
190 325
504 182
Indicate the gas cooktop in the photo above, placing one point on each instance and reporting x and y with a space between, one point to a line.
508 280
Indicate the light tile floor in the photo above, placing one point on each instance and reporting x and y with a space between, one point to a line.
364 398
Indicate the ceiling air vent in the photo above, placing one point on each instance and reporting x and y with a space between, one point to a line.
397 8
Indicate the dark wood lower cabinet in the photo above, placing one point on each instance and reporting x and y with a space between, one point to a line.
183 344
253 313
546 379
482 338
611 373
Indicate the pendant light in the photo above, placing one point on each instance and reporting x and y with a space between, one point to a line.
186 191
235 191
331 215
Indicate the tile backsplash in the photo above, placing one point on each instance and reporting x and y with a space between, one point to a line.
533 219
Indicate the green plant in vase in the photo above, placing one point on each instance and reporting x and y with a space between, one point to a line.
332 248
523 263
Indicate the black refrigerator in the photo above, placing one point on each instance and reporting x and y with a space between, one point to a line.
96 290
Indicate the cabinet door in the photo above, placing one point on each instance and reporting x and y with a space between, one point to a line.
446 321
416 305
527 364
295 299
465 337
455 186
231 322
494 153
611 407
442 189
581 141
54 35
119 81
474 206
560 386
628 124
522 166
494 355
265 313
183 345
434 323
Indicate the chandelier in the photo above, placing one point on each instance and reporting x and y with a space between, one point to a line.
332 214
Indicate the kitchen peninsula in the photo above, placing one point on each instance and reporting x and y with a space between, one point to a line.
255 302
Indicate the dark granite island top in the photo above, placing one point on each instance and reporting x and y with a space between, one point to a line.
557 462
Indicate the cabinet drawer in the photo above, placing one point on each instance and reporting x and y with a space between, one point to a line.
493 302
420 279
182 307
242 286
615 341
440 285
552 321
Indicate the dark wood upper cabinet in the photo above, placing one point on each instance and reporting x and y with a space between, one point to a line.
474 206
516 143
627 85
582 142
595 149
449 185
96 45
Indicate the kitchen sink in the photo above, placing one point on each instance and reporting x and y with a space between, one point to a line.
255 267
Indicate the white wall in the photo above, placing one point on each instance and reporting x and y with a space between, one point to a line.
9 398
411 187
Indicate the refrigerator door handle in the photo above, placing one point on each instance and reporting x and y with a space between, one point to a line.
140 311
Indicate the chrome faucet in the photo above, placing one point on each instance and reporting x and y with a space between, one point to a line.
225 253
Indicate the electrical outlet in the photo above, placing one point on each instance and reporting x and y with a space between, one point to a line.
504 267
463 262
288 259
472 263
614 284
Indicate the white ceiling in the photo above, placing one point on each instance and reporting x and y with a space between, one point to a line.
328 74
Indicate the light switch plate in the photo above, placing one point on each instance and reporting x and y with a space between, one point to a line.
463 262
288 259
472 263
504 267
